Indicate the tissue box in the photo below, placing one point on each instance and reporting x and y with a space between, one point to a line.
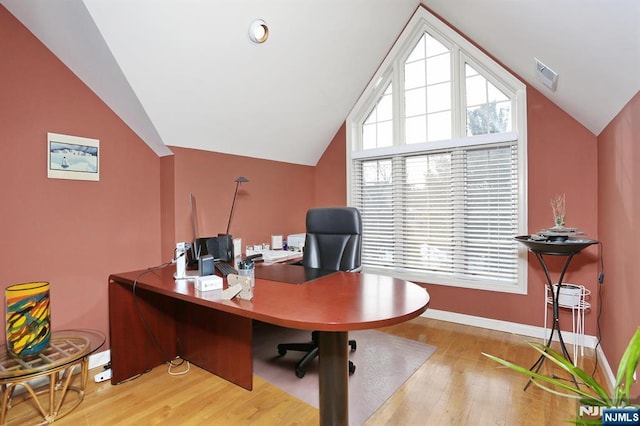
208 282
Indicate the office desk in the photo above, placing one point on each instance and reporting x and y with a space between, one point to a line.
216 334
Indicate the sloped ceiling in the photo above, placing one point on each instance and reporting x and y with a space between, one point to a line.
593 45
184 73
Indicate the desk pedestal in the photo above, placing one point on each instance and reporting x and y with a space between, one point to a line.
334 377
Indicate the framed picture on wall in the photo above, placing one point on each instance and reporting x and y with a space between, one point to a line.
73 157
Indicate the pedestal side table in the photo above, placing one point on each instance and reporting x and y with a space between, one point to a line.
567 248
67 350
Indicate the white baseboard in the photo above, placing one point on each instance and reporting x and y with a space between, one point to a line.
523 330
608 372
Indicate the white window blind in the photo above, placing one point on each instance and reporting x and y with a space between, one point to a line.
451 213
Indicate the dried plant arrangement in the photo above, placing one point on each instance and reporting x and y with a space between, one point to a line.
558 209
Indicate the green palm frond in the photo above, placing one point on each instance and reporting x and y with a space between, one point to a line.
628 365
593 394
575 392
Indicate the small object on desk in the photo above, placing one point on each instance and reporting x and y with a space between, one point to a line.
246 283
190 276
272 256
276 242
208 282
231 292
249 261
296 241
206 265
225 269
237 246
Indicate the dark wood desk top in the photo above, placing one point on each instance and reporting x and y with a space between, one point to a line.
341 301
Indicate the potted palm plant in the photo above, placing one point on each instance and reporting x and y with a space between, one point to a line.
592 394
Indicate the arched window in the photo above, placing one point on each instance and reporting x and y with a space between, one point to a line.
437 163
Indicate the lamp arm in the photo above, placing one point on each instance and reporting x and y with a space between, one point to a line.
232 206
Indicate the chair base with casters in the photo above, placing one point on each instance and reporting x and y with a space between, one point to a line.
312 350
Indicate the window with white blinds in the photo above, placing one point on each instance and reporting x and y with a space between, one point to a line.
437 163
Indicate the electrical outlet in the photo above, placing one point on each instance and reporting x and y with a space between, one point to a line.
102 376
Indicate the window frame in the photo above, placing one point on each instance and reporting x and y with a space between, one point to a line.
391 71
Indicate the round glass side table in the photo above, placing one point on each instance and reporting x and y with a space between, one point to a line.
67 350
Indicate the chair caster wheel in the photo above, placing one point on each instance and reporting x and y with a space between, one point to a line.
352 368
300 373
282 352
353 346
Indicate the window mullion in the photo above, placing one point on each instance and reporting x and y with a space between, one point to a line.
459 206
399 207
398 105
459 94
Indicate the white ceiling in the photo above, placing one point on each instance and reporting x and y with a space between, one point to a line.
184 73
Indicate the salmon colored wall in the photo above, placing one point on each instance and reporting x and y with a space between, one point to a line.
561 159
70 233
331 173
167 203
274 201
619 226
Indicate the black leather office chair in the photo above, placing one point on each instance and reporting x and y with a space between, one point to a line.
333 242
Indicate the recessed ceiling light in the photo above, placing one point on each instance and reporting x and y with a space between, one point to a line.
258 31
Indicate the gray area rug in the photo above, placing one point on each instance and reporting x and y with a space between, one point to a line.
383 363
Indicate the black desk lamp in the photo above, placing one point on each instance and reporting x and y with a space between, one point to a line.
240 180
221 247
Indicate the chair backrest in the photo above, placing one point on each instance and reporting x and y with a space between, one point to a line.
334 239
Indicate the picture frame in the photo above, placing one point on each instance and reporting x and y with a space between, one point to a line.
73 157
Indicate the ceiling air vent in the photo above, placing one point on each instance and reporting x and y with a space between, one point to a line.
546 75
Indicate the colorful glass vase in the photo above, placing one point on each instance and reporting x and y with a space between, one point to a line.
28 318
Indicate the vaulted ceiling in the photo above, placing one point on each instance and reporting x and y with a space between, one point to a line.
184 72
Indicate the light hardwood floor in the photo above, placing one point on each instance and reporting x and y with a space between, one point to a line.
457 385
